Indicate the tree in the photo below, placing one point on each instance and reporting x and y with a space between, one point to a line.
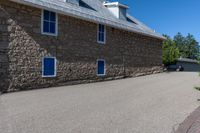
180 46
192 47
187 46
179 39
170 51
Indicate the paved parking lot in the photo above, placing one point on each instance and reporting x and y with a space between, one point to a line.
148 104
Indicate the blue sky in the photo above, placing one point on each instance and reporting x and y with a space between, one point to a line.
168 16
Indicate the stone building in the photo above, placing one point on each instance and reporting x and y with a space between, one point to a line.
46 43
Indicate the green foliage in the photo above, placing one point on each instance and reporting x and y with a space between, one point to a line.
180 46
188 46
180 42
170 52
197 88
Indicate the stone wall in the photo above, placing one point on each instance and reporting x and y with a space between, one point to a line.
76 50
4 50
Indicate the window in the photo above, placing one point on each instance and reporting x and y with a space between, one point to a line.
101 67
49 23
101 35
49 67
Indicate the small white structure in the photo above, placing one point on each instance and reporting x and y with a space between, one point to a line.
117 9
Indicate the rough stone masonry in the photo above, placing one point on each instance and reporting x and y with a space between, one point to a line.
22 47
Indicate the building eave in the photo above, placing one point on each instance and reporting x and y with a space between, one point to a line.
87 17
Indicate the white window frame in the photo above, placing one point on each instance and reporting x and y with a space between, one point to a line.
97 62
101 42
55 66
42 24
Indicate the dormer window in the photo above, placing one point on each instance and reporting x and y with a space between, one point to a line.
117 9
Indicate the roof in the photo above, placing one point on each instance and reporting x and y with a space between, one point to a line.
95 11
187 60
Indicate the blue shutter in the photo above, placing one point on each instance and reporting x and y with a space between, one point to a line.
101 67
49 67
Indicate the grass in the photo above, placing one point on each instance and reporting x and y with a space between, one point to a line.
197 88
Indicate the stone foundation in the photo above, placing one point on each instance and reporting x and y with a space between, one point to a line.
22 47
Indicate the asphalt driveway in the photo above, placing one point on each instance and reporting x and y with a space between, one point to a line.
148 104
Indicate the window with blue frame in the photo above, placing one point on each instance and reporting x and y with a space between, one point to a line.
100 67
49 67
49 23
101 33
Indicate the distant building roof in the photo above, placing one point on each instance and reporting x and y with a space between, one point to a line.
94 11
187 60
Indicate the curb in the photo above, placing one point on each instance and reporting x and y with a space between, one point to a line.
190 122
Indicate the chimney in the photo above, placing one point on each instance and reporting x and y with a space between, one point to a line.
117 9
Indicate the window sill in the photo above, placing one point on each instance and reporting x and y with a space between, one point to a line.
50 34
53 76
101 75
103 43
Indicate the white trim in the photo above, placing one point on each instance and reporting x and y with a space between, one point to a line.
101 42
55 67
42 24
97 62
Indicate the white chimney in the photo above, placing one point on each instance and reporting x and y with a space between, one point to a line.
117 9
